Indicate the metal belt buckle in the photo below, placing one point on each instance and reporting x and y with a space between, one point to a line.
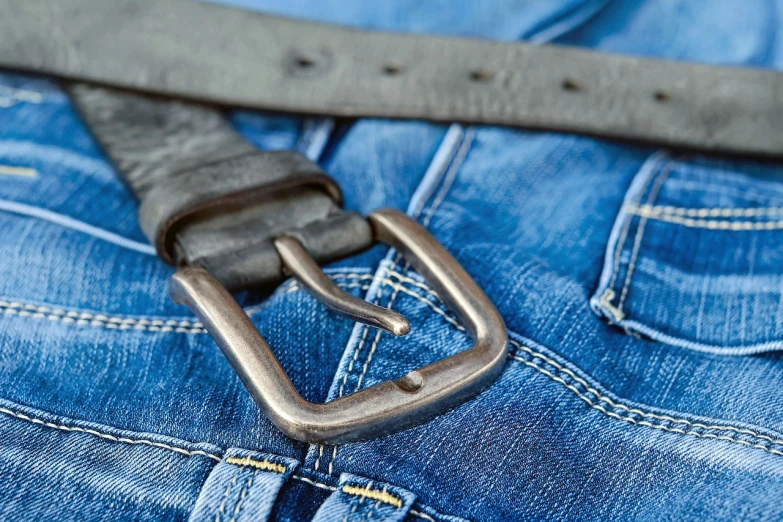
385 407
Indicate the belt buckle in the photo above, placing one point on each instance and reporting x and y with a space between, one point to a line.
378 410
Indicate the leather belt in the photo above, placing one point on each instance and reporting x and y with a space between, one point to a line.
230 216
200 51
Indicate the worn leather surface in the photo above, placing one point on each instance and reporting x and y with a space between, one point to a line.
191 49
209 198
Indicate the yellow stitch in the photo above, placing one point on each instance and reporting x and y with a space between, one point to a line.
258 464
18 171
374 494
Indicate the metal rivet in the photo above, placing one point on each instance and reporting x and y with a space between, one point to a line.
411 383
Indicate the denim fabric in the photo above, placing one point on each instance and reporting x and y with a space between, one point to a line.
641 288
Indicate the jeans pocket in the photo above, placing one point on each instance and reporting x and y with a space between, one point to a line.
695 258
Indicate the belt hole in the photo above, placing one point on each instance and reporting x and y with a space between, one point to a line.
570 85
662 96
480 75
392 69
304 62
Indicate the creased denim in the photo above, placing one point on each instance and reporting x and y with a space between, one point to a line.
641 288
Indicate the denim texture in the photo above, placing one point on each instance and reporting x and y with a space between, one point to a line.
641 288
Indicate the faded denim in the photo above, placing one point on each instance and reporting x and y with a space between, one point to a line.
642 289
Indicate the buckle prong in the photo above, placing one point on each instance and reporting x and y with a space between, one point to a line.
299 264
385 407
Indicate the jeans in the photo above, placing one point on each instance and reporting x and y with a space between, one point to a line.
642 290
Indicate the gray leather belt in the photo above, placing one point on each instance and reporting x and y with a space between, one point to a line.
200 51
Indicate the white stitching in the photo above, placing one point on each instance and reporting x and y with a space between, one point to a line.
657 157
145 324
642 423
588 388
665 171
736 226
711 212
467 143
145 442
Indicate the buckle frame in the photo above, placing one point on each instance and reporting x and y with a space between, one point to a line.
383 408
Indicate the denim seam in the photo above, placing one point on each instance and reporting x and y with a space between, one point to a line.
654 159
711 212
229 487
354 358
589 389
160 445
713 224
660 179
242 496
123 323
602 398
106 436
448 168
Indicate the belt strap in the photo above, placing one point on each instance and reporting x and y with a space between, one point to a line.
197 50
211 199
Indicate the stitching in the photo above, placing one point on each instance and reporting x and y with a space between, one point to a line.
145 442
600 397
352 511
116 322
661 178
264 465
242 497
25 95
68 222
225 496
11 170
642 423
627 226
711 212
646 213
354 358
314 483
327 487
420 514
588 388
451 174
373 494
366 362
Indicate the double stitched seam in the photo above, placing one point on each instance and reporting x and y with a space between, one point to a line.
222 506
449 175
140 324
710 212
637 244
647 212
609 294
106 436
599 398
242 496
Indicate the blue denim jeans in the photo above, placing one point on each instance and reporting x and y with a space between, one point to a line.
642 290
